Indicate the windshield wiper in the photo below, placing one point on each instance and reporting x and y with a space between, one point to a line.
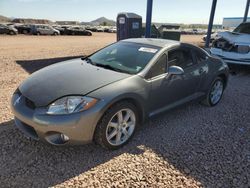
88 60
109 67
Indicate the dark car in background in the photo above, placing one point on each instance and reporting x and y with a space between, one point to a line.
23 29
106 96
77 31
8 29
93 29
61 29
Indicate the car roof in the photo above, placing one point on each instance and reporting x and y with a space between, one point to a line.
155 42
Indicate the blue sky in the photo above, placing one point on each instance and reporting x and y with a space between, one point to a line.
171 11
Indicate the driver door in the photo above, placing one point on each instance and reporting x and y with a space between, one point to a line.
161 93
169 90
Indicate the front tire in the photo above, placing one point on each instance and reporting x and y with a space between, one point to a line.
117 126
215 92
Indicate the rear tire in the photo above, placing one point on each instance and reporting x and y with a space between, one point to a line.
117 126
12 33
215 92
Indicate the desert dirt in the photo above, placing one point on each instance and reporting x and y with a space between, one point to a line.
191 146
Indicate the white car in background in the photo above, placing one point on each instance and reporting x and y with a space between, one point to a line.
212 38
44 29
234 47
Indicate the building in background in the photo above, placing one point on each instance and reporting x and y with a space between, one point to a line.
232 22
31 21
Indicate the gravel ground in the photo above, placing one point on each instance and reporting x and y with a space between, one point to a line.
191 146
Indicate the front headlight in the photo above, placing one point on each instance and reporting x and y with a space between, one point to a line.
71 104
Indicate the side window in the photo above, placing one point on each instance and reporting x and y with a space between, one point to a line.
181 57
200 55
160 67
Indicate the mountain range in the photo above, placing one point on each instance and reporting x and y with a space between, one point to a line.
101 21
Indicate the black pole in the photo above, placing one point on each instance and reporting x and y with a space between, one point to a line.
148 18
246 11
210 25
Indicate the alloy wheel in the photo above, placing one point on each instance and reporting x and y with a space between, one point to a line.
121 127
216 92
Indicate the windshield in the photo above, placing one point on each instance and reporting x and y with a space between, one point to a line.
243 28
124 57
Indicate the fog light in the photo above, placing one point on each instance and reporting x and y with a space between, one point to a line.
64 137
56 138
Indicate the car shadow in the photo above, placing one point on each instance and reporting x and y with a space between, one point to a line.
239 69
26 163
31 66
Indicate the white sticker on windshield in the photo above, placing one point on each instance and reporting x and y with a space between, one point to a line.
149 50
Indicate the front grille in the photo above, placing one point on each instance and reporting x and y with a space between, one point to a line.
29 103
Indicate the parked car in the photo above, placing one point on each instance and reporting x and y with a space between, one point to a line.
4 29
60 29
93 29
77 31
106 29
112 30
99 29
106 96
23 29
234 47
43 29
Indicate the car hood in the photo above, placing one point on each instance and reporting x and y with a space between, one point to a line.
235 38
73 77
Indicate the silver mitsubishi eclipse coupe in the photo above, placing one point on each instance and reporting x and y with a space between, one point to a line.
106 96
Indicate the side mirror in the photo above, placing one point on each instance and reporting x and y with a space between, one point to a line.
175 70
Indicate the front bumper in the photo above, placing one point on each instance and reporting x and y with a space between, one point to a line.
235 61
232 57
76 128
